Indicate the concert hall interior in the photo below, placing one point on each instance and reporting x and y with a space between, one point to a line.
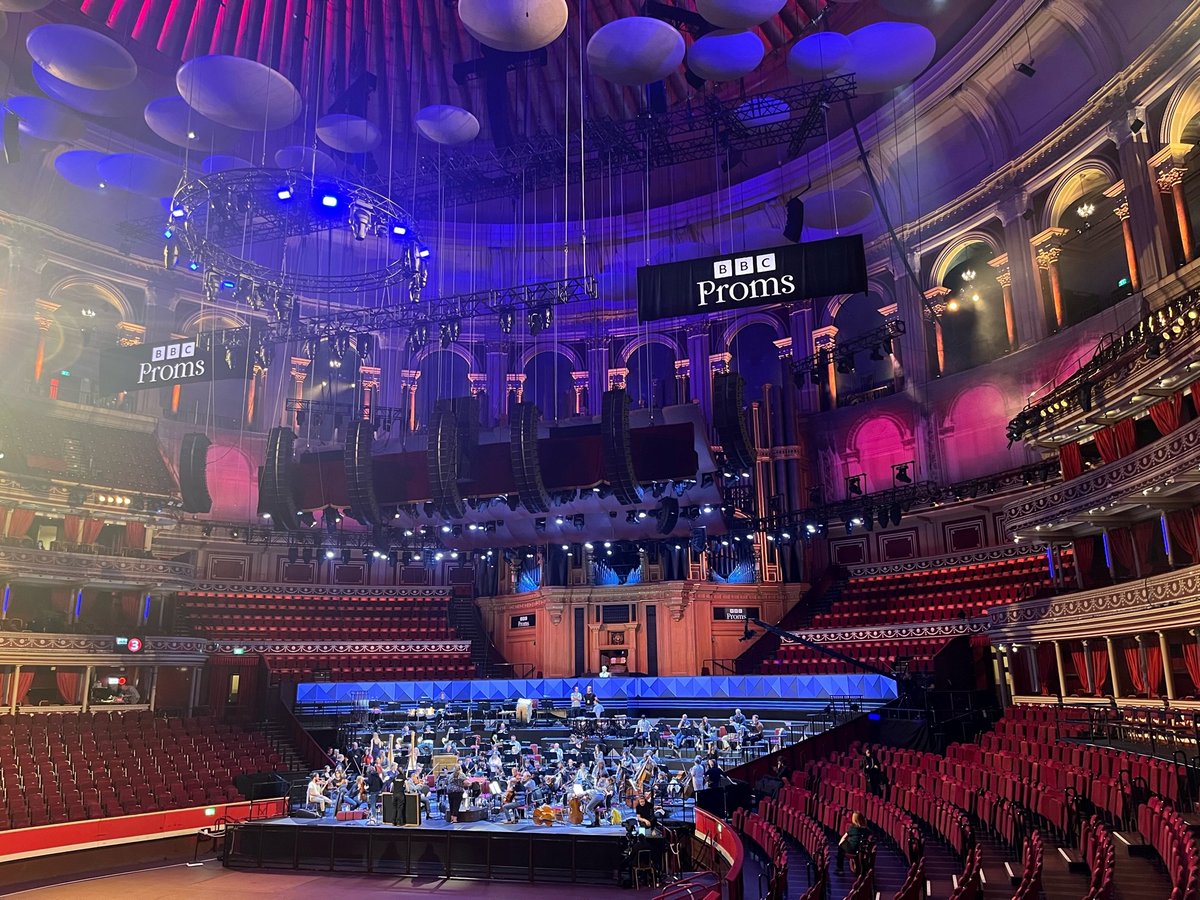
696 449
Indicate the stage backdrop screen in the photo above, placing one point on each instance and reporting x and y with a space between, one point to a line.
718 284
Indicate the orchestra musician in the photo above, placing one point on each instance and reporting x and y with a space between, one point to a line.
510 804
599 797
316 793
647 814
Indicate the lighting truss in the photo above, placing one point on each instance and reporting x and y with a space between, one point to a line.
685 133
887 332
1117 356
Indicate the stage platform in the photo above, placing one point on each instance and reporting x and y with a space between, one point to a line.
489 850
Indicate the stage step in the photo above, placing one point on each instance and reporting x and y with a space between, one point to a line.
1074 860
1134 843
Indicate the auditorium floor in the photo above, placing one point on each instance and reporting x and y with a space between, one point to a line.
181 882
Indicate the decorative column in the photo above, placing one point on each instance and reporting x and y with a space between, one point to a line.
1169 167
617 379
1146 218
16 688
369 390
1016 215
300 367
1112 668
1047 246
253 389
44 317
936 307
89 673
1062 670
719 363
891 313
1164 647
479 391
1004 279
597 367
682 373
497 387
824 340
579 381
514 386
409 379
1121 211
800 329
699 349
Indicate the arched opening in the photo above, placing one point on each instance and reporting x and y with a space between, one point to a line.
1092 268
549 384
73 338
756 359
651 379
232 484
870 373
443 375
878 443
974 435
974 331
1190 139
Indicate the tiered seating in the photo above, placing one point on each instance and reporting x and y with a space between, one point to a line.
63 767
1032 857
953 592
1097 846
768 839
365 618
1171 837
302 618
787 813
796 659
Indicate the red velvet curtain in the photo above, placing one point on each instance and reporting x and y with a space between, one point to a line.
1194 389
1099 669
1165 415
1144 535
19 522
1133 664
1191 659
131 607
135 535
91 531
1116 441
68 684
1154 669
1071 460
1047 666
1120 544
1085 555
24 683
1181 524
71 526
1079 662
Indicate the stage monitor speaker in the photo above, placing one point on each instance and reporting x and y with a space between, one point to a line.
669 515
12 137
277 496
618 454
793 229
193 473
303 813
526 463
389 807
442 460
729 418
360 475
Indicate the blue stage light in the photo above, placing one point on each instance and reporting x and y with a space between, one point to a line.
399 230
194 266
423 252
227 285
284 193
329 200
178 212
168 232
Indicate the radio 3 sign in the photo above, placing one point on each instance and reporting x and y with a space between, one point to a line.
147 366
722 283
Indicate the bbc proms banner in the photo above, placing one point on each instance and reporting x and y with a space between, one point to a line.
146 366
736 280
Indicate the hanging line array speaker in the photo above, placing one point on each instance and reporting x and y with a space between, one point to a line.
360 476
526 464
466 411
669 515
193 473
276 494
443 456
729 418
618 455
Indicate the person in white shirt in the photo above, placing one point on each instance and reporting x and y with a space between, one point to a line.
604 673
316 793
697 775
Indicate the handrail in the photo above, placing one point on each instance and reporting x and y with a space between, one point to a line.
310 751
722 839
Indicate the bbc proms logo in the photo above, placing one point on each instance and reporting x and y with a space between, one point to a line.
744 278
171 363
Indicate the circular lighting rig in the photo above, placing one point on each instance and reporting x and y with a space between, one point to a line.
244 225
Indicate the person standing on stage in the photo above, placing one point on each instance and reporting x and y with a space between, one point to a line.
374 788
697 773
589 698
576 702
714 775
454 794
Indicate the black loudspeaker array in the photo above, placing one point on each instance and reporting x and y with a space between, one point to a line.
193 473
360 476
669 515
526 464
730 420
618 456
442 459
276 495
466 410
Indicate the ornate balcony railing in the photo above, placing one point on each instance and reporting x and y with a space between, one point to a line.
1144 472
904 632
318 591
1171 600
308 648
23 648
22 564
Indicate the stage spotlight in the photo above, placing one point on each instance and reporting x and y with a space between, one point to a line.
329 201
877 353
534 320
178 212
346 557
900 473
423 253
896 514
284 193
399 230
360 221
330 554
845 363
194 266
506 321
854 486
1025 68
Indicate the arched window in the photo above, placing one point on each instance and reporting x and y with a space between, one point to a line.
549 384
443 375
651 379
755 358
973 326
1092 271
